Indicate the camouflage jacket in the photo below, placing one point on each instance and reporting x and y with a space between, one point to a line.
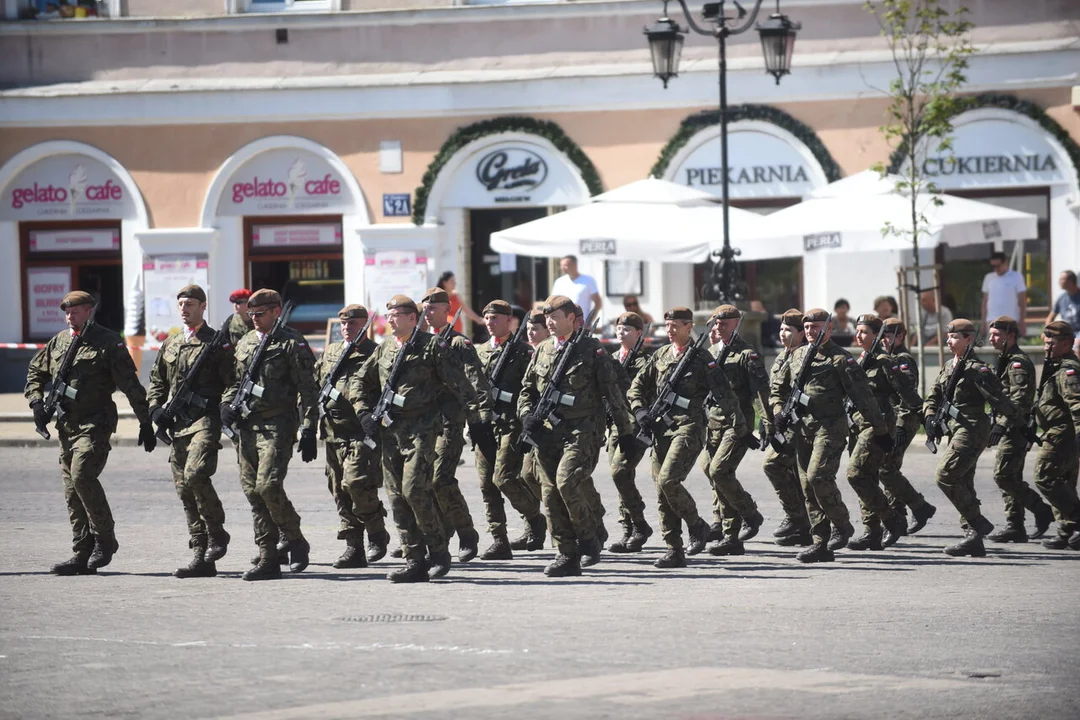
286 375
1058 404
781 377
340 423
976 387
505 404
174 360
888 383
238 328
102 366
703 379
745 371
833 377
909 418
476 400
1017 375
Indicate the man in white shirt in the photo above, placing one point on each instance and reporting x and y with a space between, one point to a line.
1004 293
932 317
582 289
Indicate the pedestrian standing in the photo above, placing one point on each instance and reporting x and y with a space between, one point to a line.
1004 292
581 289
1067 306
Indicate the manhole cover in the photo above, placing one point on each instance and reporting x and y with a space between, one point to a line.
388 618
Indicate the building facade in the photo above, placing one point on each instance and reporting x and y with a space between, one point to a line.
341 154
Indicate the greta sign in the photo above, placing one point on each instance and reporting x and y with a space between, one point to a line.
511 168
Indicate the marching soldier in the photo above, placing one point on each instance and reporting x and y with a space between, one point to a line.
353 469
241 324
267 435
85 421
592 495
736 518
636 530
820 440
1017 375
196 429
898 489
451 443
882 525
1057 408
565 451
780 465
675 448
976 386
429 375
536 333
501 475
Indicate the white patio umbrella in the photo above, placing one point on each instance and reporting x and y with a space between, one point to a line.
646 220
847 216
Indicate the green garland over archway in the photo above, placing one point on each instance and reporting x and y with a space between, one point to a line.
697 122
464 135
1015 104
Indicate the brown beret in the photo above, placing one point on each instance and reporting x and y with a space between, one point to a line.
1005 324
558 302
816 315
192 291
536 317
897 323
680 313
962 326
263 297
726 312
578 311
632 319
498 307
1059 329
402 301
436 295
352 311
76 297
871 321
239 296
792 318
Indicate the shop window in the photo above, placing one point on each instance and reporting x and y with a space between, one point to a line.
67 9
271 6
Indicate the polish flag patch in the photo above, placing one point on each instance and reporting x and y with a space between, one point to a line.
1070 371
599 351
1018 365
712 364
851 360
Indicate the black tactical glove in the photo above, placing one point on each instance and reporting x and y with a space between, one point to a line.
159 418
369 424
309 446
782 424
146 436
628 445
483 438
229 416
929 427
885 442
996 433
642 417
532 426
750 441
902 438
39 413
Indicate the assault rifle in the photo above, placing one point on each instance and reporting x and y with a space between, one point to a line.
794 410
935 426
500 397
60 388
551 398
185 395
666 397
864 362
328 392
449 328
389 397
723 356
241 403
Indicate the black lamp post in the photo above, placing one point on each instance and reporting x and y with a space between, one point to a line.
777 43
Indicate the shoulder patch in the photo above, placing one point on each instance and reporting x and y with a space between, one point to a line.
467 341
1018 365
1070 371
442 343
754 355
984 369
712 364
301 344
119 344
850 360
904 366
599 351
225 346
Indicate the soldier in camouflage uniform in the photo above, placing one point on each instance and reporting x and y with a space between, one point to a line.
537 333
780 466
565 450
501 475
821 438
592 495
898 489
1057 408
101 366
267 435
1017 375
636 531
676 447
353 468
241 324
196 429
451 443
970 432
429 377
736 518
883 526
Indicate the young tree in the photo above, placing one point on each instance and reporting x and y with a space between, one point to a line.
930 48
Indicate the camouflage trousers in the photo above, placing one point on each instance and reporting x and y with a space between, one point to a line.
564 459
451 504
674 455
502 477
193 459
730 501
82 458
1009 476
898 489
1056 469
591 493
782 471
265 452
354 476
408 464
819 446
623 475
863 474
956 470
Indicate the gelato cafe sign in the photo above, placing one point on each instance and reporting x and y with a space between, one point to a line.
284 182
66 187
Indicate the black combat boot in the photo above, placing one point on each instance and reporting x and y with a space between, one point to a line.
642 533
1044 518
700 534
982 526
787 527
1058 542
673 558
353 557
199 566
298 554
1074 540
397 553
104 548
920 516
219 545
621 545
267 568
75 566
602 535
839 537
800 536
590 552
716 533
564 566
816 553
971 545
1011 533
376 547
468 544
413 571
499 549
895 528
728 546
751 525
439 564
283 550
537 534
869 540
